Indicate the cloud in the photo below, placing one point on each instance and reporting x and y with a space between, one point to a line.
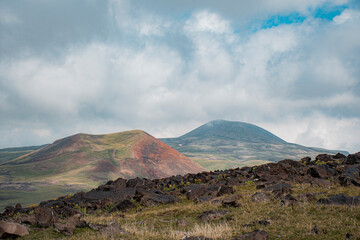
8 18
205 21
167 74
348 15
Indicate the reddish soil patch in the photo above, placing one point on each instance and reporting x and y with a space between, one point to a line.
159 160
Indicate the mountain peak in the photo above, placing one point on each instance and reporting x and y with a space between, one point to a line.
101 157
234 130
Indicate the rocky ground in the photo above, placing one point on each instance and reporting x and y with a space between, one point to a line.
306 199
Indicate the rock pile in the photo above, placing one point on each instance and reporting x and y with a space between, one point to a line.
273 180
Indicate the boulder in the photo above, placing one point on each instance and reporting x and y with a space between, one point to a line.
307 197
28 219
306 160
66 211
151 200
341 199
350 176
112 229
123 206
288 200
195 191
279 189
263 222
322 171
69 227
66 229
12 229
352 159
315 230
45 217
195 238
261 197
223 189
255 235
212 215
231 201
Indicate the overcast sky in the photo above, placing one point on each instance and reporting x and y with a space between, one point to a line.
166 67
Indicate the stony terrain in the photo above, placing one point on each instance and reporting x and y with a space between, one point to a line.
306 199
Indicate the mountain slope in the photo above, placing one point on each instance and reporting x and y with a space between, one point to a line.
8 154
224 144
85 159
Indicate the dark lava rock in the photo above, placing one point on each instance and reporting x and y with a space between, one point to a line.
288 200
222 190
263 222
45 217
28 219
340 199
279 189
204 199
315 230
306 160
196 238
255 235
195 191
123 206
112 229
155 199
349 236
350 176
322 171
66 211
307 197
231 201
352 159
261 197
212 215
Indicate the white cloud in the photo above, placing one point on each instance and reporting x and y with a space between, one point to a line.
45 133
319 130
8 17
299 81
205 21
138 20
348 15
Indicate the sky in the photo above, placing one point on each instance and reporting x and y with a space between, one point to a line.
166 67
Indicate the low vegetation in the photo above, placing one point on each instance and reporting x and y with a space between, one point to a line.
174 221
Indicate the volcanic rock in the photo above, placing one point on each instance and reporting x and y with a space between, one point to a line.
231 201
123 206
261 197
45 217
340 199
255 235
12 229
288 200
212 215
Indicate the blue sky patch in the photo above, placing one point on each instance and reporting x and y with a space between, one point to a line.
277 20
328 12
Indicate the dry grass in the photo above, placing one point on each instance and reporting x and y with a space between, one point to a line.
291 222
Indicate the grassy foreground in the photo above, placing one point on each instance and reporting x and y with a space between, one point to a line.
175 221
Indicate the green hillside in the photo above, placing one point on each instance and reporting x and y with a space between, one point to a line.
224 144
8 154
83 161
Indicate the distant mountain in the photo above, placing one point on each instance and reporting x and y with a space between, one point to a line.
85 159
8 154
224 144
